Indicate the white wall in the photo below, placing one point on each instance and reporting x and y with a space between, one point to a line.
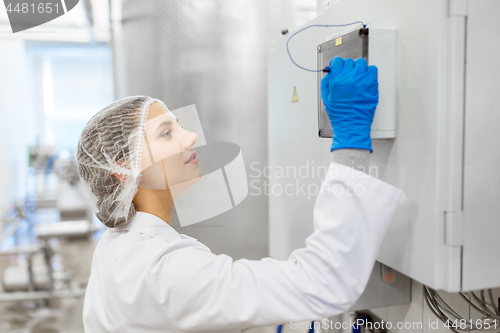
17 116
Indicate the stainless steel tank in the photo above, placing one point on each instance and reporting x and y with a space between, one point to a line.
213 53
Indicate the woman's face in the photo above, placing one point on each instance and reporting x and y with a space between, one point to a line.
168 149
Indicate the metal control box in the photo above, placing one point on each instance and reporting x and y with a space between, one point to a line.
445 93
357 44
352 45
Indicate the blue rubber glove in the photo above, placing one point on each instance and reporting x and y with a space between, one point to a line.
350 94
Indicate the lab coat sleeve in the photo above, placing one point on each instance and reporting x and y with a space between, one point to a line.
200 291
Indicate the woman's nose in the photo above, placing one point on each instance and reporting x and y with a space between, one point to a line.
189 140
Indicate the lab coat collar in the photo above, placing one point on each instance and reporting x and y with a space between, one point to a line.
150 225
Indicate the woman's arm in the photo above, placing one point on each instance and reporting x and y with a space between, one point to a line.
201 291
358 159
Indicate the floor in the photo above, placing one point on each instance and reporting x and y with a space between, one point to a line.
73 255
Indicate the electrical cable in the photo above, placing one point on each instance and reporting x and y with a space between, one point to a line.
445 306
434 308
278 329
477 299
484 309
326 69
486 305
490 294
482 303
440 309
470 303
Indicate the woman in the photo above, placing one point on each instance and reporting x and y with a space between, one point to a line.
146 277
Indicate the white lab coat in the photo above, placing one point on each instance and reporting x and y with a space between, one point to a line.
146 277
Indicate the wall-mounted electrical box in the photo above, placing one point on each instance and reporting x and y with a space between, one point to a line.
441 85
378 48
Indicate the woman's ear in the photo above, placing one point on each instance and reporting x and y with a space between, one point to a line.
119 172
120 176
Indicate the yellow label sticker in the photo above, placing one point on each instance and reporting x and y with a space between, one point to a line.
338 41
295 97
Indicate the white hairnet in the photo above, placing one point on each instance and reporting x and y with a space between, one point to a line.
111 145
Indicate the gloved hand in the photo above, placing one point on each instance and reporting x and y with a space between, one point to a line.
350 94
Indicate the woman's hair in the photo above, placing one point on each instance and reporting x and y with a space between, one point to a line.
109 158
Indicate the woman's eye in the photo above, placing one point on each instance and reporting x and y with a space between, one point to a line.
167 133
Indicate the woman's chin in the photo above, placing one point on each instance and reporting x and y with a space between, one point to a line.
194 180
184 184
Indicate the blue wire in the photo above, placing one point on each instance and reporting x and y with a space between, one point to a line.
278 329
316 25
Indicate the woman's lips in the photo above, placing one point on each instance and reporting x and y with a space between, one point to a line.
192 159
